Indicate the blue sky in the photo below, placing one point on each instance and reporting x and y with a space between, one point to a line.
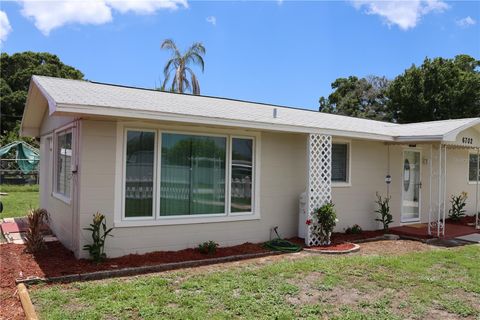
283 52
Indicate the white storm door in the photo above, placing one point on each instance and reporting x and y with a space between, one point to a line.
411 186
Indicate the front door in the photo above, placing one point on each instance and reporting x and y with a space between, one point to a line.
411 185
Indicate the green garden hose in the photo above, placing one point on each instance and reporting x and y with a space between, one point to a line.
282 245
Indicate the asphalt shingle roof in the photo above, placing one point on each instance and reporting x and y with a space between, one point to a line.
66 92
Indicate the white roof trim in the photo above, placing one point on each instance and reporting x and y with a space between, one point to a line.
452 135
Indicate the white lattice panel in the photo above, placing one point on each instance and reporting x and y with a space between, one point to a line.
319 179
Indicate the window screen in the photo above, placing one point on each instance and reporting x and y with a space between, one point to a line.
242 175
192 174
139 173
340 162
64 161
473 167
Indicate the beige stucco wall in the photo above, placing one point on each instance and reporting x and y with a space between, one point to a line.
282 179
61 213
355 203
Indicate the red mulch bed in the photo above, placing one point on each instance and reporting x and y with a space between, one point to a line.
464 221
343 237
334 247
338 238
56 260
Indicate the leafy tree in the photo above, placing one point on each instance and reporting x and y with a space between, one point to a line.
15 73
179 64
438 89
363 98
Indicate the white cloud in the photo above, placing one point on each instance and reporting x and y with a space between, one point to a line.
5 27
466 22
146 6
50 14
212 20
404 14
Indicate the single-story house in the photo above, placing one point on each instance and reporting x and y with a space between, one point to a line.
170 171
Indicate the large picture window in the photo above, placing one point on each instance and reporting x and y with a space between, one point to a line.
473 168
139 173
340 162
176 177
192 175
63 162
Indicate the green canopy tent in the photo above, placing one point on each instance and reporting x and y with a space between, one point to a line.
27 157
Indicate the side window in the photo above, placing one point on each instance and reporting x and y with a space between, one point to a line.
242 175
340 162
63 156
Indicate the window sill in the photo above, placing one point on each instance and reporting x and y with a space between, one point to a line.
181 221
341 184
62 198
473 182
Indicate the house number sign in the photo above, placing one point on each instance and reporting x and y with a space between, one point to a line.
466 140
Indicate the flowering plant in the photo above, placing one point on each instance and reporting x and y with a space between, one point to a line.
325 220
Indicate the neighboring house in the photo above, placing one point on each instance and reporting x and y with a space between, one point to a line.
170 170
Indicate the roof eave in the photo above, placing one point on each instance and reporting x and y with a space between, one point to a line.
69 109
30 125
417 138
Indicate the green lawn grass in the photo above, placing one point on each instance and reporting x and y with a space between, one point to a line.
438 284
19 200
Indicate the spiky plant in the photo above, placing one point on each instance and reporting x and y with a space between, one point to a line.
184 79
34 236
383 211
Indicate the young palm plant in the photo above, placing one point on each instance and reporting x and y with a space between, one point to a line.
184 79
34 236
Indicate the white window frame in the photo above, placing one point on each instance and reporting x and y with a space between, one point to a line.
348 183
254 178
468 166
124 162
57 133
121 221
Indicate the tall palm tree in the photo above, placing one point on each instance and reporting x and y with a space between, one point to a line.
179 64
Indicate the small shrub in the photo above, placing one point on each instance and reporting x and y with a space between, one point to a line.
326 221
99 233
208 247
355 229
385 217
34 236
458 206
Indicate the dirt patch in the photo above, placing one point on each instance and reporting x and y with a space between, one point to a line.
441 314
393 247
